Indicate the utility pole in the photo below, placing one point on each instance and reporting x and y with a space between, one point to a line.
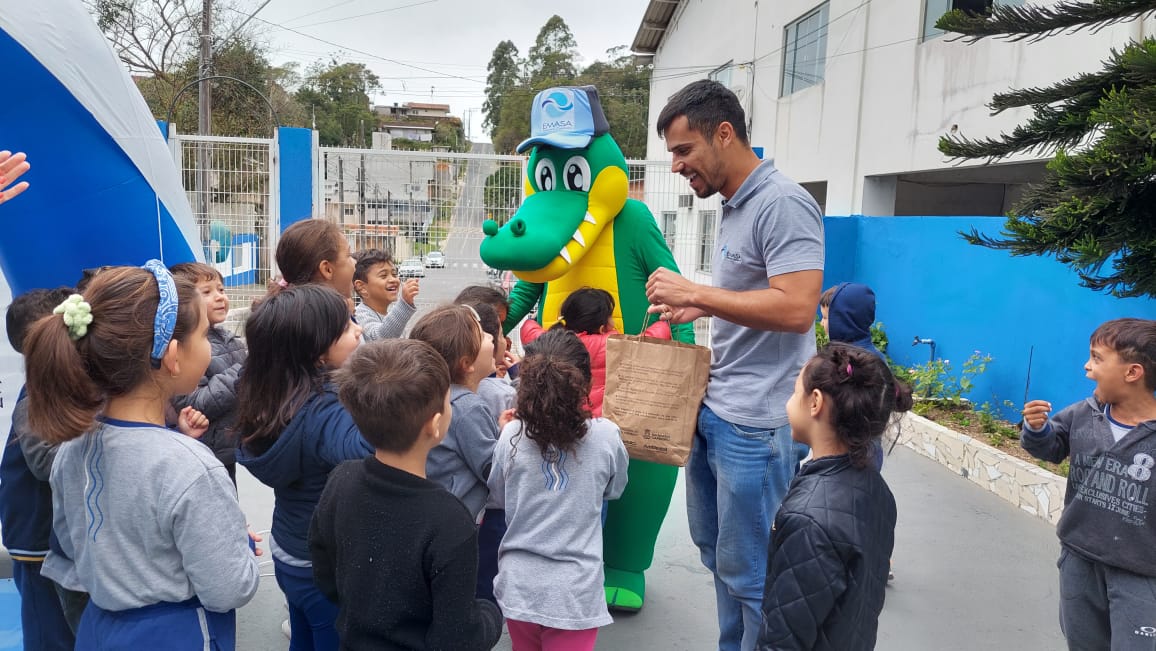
205 92
205 109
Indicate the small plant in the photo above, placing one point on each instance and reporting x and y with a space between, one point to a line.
936 380
821 338
921 408
879 337
962 418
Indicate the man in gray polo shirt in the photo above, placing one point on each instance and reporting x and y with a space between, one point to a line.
768 271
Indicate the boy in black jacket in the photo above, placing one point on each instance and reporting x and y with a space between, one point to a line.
1108 531
395 551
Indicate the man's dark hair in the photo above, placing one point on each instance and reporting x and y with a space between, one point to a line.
392 388
706 104
28 308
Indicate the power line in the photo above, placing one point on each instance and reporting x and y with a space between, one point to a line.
323 9
363 53
372 13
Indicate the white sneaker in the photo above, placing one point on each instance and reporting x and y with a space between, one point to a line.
286 630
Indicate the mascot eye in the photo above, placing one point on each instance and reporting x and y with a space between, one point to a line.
544 175
577 174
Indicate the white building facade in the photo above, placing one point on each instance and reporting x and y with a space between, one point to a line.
850 98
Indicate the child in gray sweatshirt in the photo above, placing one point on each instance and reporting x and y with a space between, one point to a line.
550 575
147 519
461 463
380 314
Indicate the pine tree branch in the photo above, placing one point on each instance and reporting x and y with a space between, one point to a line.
1035 22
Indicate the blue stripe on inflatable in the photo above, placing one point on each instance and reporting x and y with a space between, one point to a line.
88 205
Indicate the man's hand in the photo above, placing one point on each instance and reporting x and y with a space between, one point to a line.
676 315
409 290
666 286
12 167
1036 413
192 423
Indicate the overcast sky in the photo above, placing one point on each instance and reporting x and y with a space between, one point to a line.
443 44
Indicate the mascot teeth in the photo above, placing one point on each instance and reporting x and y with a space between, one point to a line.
565 255
590 218
577 237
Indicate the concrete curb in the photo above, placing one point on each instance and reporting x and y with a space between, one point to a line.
1027 486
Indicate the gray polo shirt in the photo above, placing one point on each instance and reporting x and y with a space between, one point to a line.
770 227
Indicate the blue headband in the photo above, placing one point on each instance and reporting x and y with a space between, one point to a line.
166 319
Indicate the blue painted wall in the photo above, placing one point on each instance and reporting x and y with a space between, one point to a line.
296 158
930 282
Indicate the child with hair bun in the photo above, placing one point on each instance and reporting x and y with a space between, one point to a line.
147 518
832 538
550 586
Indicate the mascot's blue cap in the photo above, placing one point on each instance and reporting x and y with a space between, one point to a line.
566 117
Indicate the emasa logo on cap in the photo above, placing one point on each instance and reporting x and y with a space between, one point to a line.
557 110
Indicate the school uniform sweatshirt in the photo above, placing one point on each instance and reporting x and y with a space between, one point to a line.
148 515
375 325
25 496
319 437
461 463
1108 503
550 560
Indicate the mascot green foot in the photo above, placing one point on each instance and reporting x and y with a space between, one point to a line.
632 524
625 590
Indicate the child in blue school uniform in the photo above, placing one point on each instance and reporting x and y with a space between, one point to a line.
26 497
294 432
147 519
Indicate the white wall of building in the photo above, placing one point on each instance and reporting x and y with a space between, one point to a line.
887 95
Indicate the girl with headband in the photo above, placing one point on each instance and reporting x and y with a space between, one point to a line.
147 518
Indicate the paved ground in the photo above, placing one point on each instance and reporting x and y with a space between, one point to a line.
972 572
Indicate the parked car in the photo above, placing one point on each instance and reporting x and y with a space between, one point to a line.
435 259
411 268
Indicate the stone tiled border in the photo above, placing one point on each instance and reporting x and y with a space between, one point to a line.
1027 486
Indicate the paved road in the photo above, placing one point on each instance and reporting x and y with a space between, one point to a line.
972 572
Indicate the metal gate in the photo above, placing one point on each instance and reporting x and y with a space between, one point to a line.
232 186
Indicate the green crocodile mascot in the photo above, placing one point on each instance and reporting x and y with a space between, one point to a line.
577 228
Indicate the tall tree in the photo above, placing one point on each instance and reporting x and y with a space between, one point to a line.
1096 207
338 94
554 53
237 110
504 75
624 87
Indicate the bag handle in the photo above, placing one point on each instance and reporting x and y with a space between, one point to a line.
646 322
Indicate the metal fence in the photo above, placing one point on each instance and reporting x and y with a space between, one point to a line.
232 186
413 203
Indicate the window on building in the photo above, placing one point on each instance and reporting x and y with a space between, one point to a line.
722 74
668 221
805 51
933 10
706 239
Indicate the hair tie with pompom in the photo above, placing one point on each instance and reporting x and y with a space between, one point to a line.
77 315
562 321
848 369
282 283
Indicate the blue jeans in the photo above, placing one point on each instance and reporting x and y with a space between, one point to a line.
735 479
312 616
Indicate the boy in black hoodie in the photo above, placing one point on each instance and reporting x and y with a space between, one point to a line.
1107 532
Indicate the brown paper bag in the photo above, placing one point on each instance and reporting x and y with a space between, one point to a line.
654 388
